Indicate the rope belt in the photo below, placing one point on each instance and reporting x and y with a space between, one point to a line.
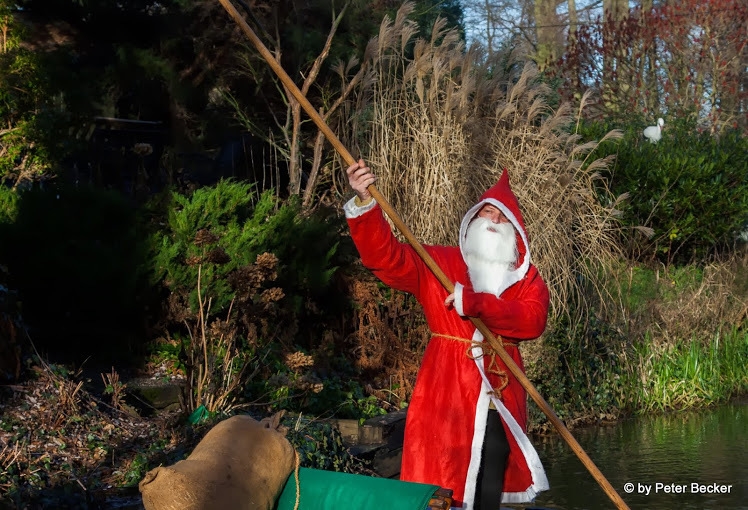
487 350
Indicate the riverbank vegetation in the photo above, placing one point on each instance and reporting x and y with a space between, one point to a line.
229 273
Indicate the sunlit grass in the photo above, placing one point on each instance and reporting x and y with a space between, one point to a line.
692 373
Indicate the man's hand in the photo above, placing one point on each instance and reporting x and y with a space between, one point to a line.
360 178
450 300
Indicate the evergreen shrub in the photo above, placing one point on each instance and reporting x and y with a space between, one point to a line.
220 229
691 188
266 271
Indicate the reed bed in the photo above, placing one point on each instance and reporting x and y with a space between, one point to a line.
438 123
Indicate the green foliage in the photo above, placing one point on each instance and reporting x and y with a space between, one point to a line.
222 211
21 84
332 389
124 59
8 205
22 91
40 101
168 353
691 188
638 287
6 18
344 397
320 445
265 273
223 228
604 371
692 373
583 372
136 470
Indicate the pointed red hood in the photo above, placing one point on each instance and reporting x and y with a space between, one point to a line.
501 195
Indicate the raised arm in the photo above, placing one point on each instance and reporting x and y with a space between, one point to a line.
395 263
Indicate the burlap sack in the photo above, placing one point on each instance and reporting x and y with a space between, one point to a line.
240 464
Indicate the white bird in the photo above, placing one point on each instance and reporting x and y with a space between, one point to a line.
654 133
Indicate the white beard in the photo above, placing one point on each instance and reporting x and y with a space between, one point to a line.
490 253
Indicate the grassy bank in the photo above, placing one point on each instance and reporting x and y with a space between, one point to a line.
691 373
592 383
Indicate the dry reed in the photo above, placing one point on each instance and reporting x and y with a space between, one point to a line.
9 455
215 362
438 125
390 337
716 300
115 388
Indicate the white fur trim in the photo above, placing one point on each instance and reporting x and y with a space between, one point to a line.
354 211
512 277
539 479
479 430
458 299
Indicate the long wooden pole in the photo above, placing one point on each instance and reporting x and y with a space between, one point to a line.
432 265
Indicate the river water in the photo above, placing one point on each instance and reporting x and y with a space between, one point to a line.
659 454
688 460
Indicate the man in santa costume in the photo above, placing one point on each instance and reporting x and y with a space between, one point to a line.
467 418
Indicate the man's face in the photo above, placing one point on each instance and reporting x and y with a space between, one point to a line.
493 214
490 249
491 236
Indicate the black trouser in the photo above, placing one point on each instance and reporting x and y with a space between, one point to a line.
490 481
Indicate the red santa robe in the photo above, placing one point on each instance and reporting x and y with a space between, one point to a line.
446 419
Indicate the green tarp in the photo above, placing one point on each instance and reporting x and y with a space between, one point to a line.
328 490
